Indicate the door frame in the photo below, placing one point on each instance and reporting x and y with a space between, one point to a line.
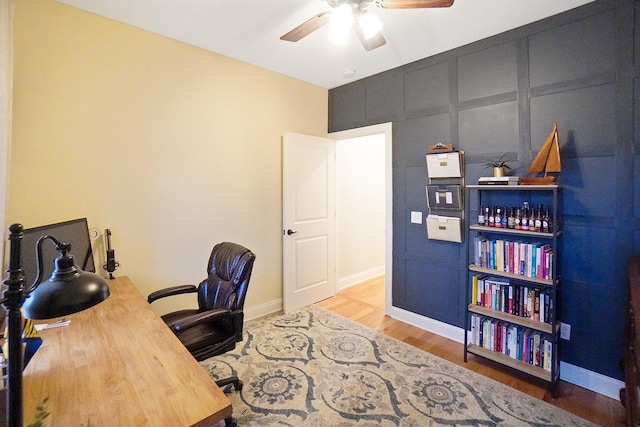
386 129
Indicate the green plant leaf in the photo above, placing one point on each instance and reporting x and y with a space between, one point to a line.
500 162
41 414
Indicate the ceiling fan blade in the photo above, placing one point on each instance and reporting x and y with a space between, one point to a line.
414 4
307 27
371 43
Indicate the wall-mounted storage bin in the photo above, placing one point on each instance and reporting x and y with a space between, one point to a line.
444 228
444 165
444 197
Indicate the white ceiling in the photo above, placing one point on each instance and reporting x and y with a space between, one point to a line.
250 30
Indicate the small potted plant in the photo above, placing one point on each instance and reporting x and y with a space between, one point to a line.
499 165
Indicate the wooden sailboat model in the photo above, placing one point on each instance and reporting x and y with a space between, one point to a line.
547 160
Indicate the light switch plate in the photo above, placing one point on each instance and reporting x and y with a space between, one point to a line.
565 331
416 217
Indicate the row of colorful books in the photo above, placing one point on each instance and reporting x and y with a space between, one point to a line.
524 258
520 343
498 293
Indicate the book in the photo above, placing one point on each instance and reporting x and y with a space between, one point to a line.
474 290
498 180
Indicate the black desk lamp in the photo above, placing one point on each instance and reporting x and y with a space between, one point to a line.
67 291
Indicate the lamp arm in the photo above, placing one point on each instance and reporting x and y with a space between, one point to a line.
61 247
66 274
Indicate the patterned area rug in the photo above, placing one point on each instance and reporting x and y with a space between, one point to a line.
315 368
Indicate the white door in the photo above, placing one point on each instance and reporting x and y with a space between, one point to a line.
308 220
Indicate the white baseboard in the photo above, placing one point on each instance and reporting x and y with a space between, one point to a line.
590 380
263 310
430 325
360 277
584 378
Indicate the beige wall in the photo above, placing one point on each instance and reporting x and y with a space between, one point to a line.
171 147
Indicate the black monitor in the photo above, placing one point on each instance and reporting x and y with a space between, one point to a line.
75 232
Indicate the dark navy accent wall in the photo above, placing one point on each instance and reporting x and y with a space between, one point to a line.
502 94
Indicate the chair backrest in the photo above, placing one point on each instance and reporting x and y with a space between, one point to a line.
229 271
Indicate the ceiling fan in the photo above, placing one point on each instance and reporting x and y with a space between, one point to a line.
347 14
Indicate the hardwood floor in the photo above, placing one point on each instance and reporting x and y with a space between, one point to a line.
364 303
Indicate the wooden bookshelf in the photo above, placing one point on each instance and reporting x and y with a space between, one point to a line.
547 333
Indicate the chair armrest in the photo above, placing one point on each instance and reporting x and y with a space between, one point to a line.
200 318
174 290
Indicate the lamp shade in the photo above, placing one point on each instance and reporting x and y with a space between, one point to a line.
67 291
370 25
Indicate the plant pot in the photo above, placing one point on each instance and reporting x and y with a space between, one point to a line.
498 171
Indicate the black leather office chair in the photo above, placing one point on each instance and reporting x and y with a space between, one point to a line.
216 326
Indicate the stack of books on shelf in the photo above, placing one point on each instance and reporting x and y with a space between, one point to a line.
517 342
527 259
498 294
498 180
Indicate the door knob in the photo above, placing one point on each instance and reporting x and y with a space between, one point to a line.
290 232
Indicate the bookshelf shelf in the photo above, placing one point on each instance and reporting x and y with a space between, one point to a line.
476 227
509 361
511 318
552 187
508 261
494 272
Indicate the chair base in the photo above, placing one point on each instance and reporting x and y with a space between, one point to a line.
231 380
230 422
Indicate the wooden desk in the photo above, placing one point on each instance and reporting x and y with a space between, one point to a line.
117 364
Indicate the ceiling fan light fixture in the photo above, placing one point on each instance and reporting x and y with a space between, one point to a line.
370 25
349 14
342 17
341 20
